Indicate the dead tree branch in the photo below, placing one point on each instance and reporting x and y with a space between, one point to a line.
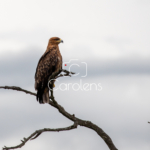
76 120
39 132
17 89
66 73
84 123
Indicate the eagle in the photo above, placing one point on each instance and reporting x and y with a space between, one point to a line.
50 63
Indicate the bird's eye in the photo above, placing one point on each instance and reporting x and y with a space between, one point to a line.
56 39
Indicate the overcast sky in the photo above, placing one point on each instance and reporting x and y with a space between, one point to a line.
111 38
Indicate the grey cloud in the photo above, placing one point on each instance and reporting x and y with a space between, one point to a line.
19 68
22 66
120 66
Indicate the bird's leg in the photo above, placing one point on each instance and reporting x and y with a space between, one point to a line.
53 85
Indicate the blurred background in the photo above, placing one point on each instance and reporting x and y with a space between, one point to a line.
111 37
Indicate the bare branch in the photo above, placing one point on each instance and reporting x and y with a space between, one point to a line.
80 122
55 76
84 123
39 132
17 89
76 120
67 73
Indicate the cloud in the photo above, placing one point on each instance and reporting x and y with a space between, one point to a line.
19 68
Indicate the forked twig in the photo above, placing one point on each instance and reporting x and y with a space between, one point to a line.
35 134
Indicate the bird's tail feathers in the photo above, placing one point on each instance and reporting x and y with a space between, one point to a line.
43 95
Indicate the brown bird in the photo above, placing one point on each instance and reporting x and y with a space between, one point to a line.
49 63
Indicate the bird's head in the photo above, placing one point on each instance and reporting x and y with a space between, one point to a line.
55 40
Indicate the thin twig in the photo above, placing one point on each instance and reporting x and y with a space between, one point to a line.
35 134
17 89
55 75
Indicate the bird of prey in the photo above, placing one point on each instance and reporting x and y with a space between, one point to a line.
50 63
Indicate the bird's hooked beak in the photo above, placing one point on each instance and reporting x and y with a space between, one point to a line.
61 41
